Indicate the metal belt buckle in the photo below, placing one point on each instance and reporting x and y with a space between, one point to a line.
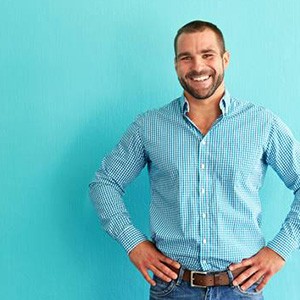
192 278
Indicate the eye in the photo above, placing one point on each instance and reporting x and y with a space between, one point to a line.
208 55
186 58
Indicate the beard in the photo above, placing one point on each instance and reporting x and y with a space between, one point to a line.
201 93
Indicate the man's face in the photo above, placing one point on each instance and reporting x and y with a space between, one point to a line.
200 64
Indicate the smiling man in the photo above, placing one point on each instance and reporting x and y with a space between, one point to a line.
207 154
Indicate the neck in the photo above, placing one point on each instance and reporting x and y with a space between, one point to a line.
209 107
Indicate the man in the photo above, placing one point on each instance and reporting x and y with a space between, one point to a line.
207 154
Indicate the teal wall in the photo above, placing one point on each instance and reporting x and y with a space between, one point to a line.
73 75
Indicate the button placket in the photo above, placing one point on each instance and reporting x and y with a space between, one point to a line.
204 196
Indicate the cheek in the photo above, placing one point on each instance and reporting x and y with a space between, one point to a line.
218 68
183 68
180 70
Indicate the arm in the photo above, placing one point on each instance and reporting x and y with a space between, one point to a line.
283 155
118 169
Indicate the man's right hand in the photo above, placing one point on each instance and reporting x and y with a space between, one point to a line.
145 256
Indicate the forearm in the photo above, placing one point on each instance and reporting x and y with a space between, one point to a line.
118 169
111 210
288 238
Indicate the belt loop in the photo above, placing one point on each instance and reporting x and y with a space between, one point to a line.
230 275
180 275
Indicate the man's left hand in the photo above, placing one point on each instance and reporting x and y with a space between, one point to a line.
262 266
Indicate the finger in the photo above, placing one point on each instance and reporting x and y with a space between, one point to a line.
254 279
244 276
243 263
160 274
147 277
170 262
166 270
263 283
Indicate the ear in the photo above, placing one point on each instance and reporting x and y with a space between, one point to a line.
226 59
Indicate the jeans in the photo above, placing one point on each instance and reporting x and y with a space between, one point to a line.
179 289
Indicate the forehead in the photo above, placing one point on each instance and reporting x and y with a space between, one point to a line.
197 41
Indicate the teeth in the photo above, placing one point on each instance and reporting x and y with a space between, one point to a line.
201 78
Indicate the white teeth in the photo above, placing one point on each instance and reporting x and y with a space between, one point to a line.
201 78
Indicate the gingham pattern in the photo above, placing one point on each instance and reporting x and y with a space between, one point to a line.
205 206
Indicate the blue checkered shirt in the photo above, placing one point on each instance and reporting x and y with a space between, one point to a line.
205 207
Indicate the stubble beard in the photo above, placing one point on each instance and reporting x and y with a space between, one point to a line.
204 94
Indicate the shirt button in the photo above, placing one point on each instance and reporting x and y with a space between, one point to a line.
204 261
204 241
203 190
202 166
204 142
204 215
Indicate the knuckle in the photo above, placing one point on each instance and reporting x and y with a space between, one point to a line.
150 259
169 272
165 278
144 264
257 277
140 266
246 262
160 275
164 258
274 270
246 274
164 269
264 281
240 279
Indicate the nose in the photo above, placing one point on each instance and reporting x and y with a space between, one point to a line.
198 63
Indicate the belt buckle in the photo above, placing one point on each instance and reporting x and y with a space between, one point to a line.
192 278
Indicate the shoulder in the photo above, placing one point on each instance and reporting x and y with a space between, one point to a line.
259 116
251 110
164 112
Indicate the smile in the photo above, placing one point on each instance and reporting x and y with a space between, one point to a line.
200 78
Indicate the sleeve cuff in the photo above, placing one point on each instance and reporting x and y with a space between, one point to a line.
283 245
131 237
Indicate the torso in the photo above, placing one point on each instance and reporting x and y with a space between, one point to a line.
203 125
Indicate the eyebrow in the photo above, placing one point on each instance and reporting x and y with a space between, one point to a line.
202 52
183 54
208 50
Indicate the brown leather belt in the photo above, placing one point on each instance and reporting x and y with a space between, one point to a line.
209 279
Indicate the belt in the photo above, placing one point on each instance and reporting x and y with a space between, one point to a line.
209 279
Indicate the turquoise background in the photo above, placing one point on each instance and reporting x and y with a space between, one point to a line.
74 74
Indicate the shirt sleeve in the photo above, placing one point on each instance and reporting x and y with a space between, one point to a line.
117 170
283 155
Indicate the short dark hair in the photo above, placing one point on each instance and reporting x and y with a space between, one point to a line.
199 25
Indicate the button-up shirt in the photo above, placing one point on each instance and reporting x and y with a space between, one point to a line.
205 209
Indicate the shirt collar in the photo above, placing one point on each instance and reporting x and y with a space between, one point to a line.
224 103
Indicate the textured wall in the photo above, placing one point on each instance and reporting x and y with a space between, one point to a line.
73 75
